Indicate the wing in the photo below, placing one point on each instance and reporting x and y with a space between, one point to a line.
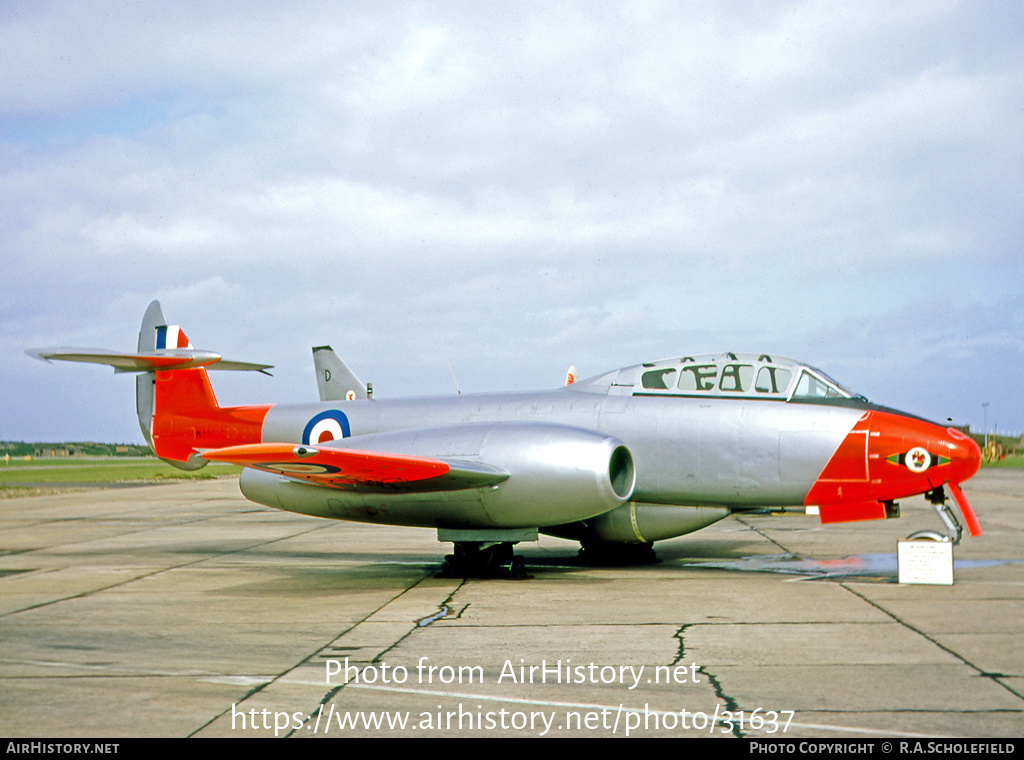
475 475
353 469
160 359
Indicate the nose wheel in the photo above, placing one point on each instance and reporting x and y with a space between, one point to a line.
937 497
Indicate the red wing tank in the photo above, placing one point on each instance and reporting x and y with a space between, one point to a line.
617 461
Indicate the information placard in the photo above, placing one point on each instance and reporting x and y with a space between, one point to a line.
925 562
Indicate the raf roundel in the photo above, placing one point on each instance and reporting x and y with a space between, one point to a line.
300 468
331 425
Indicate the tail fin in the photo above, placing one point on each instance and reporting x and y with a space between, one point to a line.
334 379
177 408
187 418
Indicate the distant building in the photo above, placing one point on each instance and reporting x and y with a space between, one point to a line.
55 451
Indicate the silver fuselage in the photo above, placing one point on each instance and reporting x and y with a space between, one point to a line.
729 452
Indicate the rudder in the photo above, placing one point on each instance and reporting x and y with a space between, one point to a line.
144 383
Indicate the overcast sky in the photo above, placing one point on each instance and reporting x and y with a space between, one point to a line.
512 188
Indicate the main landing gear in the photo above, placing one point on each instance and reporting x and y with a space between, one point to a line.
481 559
616 553
494 559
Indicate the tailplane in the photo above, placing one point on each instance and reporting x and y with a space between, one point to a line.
174 399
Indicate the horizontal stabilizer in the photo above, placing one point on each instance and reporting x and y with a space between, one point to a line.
355 469
157 360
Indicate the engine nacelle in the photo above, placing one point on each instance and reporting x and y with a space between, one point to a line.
640 523
555 474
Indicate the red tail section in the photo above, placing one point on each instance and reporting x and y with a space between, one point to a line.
187 417
178 411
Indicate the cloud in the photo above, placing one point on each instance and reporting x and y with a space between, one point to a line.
515 189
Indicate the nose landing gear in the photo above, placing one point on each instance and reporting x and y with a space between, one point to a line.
937 497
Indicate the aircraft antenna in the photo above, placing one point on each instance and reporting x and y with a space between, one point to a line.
457 389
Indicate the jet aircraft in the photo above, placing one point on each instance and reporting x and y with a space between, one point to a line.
617 461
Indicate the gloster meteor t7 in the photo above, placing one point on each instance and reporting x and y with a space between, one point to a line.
617 461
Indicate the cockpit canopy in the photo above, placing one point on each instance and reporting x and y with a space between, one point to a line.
728 375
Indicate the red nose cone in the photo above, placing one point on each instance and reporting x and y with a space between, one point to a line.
966 456
888 456
910 456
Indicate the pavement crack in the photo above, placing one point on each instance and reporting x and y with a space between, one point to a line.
680 634
994 677
731 704
444 612
310 657
764 535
